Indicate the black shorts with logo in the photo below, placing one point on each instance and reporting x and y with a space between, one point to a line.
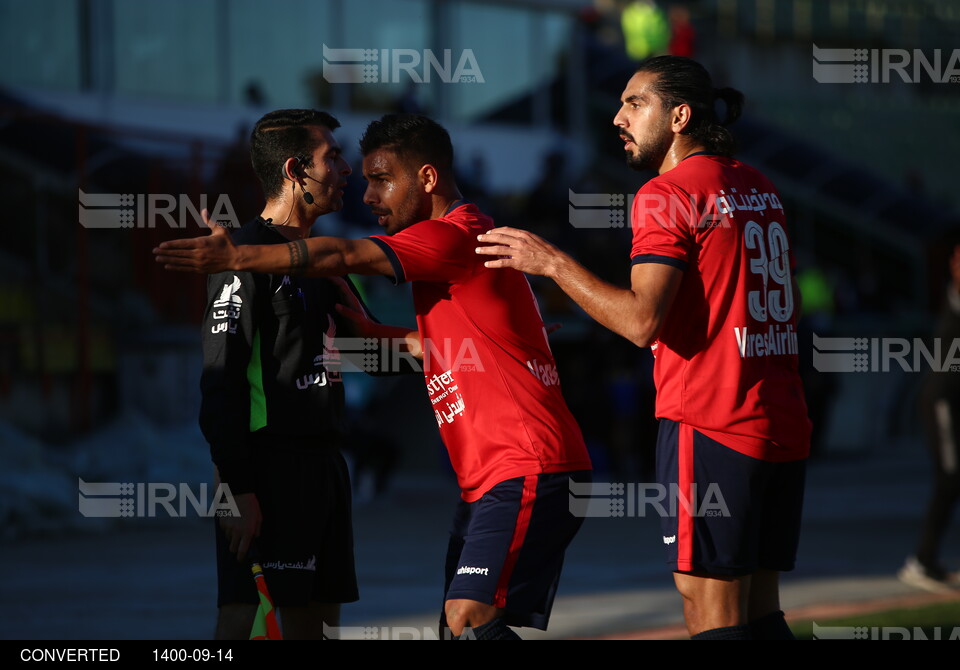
507 548
306 535
728 513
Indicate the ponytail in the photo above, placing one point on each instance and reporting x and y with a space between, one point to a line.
733 100
684 81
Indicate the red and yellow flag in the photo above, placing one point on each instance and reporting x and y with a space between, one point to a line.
265 625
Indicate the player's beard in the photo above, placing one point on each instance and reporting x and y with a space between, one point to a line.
411 209
650 154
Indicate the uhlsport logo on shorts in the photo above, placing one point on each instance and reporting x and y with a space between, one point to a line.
148 210
383 66
632 499
883 633
884 354
882 66
125 499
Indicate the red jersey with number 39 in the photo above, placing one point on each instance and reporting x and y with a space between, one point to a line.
491 377
726 357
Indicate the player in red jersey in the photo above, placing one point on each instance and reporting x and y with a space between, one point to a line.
712 293
491 377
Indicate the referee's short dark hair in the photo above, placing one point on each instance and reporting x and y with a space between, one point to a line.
417 140
280 135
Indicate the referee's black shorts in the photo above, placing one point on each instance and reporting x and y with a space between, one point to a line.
306 536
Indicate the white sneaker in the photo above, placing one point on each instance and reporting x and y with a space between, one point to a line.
915 574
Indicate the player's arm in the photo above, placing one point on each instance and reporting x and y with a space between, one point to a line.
363 324
406 341
636 313
317 256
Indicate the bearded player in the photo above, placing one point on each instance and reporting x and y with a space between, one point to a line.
491 378
711 293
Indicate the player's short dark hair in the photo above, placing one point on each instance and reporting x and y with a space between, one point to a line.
415 139
280 135
684 81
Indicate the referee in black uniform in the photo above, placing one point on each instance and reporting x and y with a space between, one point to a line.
273 399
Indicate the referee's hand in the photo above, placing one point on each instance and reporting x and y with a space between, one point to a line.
241 530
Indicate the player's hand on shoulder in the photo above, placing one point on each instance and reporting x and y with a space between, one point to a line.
518 249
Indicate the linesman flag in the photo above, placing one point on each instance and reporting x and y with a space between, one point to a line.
265 625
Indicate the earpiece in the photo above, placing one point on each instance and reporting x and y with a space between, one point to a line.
299 160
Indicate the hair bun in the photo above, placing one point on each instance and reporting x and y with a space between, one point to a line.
733 99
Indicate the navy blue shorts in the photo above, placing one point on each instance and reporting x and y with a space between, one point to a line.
306 536
730 514
507 548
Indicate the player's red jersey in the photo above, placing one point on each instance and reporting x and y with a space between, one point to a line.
491 377
726 357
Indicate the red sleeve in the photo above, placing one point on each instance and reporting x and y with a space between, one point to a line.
431 250
663 219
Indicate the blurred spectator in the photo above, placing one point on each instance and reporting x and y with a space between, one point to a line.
473 182
816 318
376 456
408 102
547 203
817 293
603 21
645 29
683 37
253 94
940 413
235 178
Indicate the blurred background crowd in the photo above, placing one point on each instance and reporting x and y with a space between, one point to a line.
119 120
